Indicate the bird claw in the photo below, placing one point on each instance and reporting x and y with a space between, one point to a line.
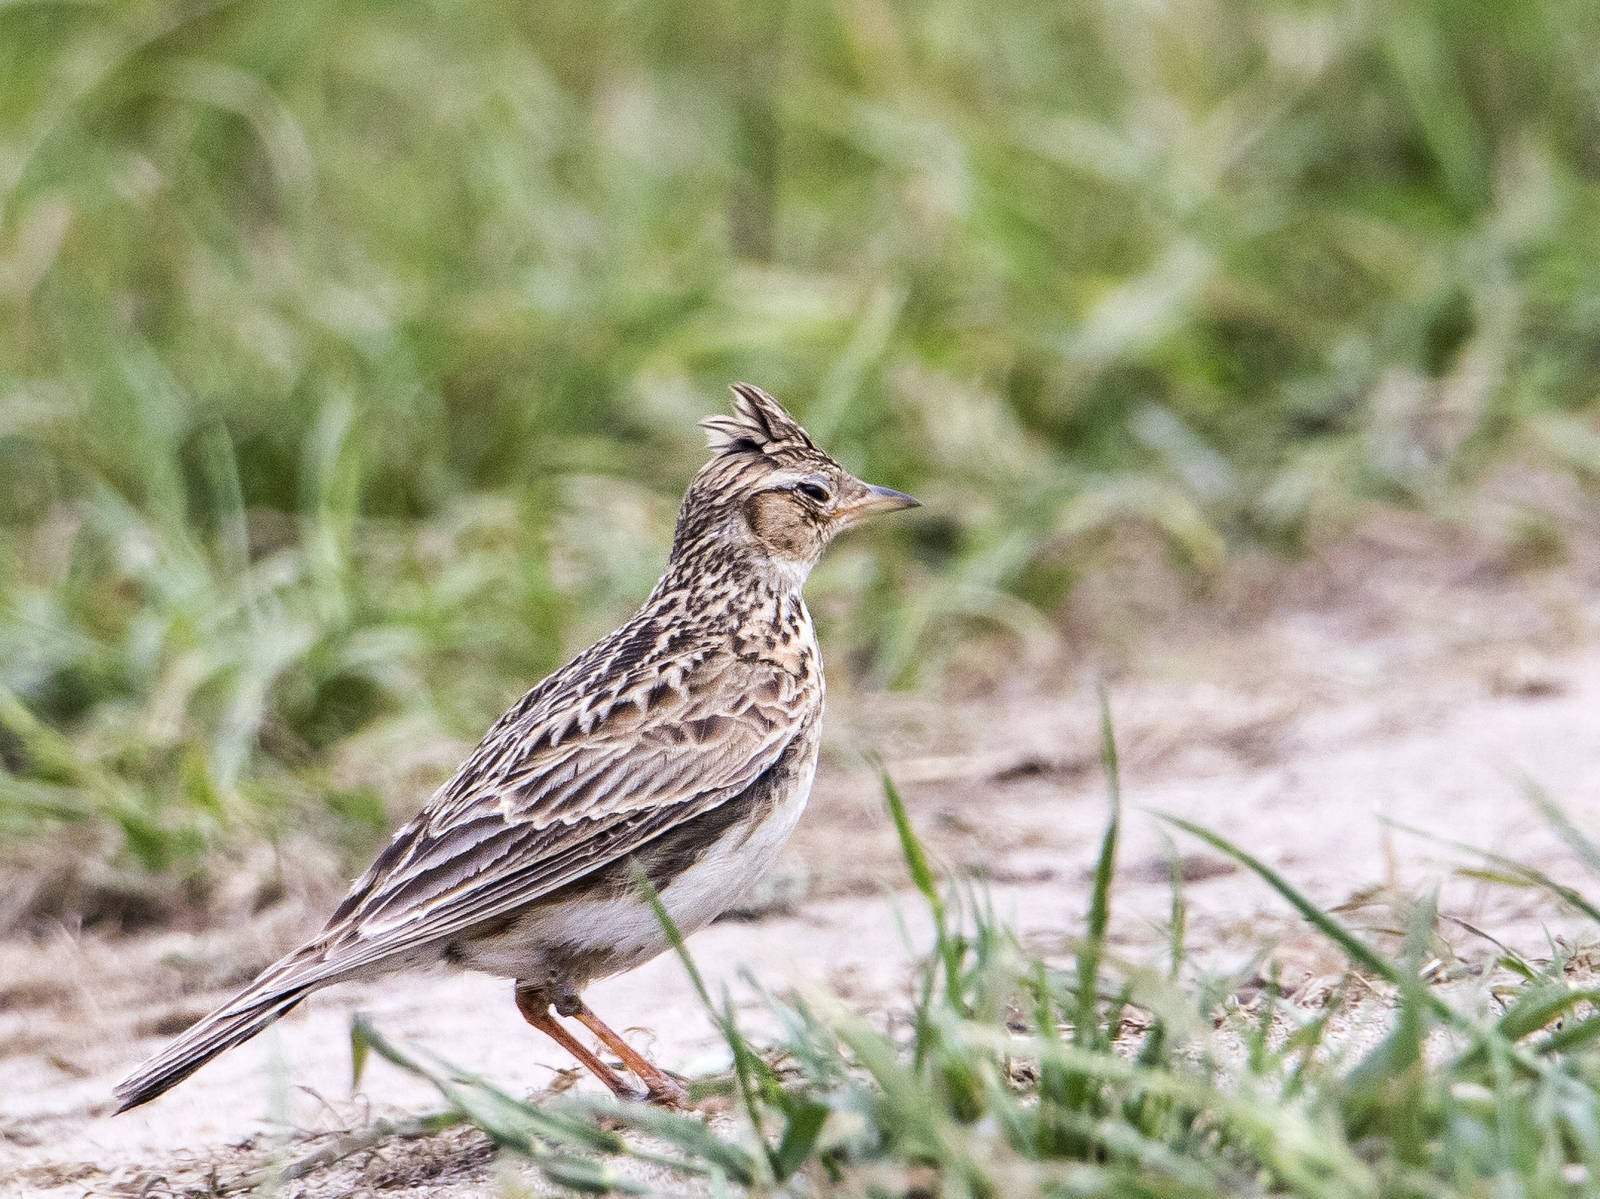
669 1094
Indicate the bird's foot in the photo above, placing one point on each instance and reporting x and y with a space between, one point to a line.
667 1092
660 1088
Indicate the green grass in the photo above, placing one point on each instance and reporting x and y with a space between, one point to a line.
1018 1077
349 352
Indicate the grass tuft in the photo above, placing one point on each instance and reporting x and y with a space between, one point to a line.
1015 1077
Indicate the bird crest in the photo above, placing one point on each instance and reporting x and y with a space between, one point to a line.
759 425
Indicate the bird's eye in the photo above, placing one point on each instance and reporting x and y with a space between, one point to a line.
815 492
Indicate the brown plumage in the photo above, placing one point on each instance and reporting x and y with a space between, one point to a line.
683 745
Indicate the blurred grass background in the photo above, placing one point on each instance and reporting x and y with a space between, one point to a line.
350 352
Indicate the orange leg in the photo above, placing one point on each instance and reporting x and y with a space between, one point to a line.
662 1088
537 1012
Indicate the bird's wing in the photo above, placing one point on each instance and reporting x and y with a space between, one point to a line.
558 792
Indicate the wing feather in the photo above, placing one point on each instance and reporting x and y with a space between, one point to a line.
530 811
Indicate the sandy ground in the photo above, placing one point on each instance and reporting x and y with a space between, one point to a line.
1303 713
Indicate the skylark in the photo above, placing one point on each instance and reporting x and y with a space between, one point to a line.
681 747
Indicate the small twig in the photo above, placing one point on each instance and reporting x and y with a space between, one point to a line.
1478 932
347 1144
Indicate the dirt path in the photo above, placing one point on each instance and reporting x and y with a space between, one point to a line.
1295 727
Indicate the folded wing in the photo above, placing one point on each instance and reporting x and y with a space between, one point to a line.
549 798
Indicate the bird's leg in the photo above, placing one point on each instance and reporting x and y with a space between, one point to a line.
535 1009
662 1088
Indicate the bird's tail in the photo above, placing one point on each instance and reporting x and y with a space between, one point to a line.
272 994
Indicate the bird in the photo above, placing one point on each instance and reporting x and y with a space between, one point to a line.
678 752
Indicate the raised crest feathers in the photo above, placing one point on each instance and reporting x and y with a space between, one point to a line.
759 424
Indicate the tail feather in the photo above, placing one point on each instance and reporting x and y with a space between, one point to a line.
241 1018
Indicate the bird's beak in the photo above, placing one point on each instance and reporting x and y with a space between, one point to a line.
875 500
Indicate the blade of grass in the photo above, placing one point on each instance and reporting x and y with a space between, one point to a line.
923 879
745 1061
1584 847
532 1130
1516 870
1357 950
1092 949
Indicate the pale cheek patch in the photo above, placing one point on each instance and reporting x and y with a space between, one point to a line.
778 523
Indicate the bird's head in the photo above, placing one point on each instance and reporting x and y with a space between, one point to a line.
769 495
